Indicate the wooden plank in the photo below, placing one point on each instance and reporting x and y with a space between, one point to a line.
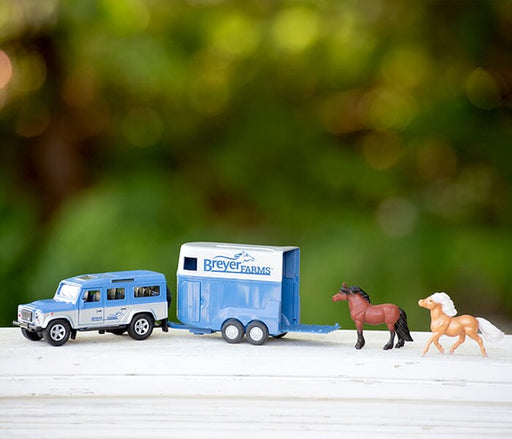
304 385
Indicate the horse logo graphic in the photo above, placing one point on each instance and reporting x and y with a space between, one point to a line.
115 316
243 257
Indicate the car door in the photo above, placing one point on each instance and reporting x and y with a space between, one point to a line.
116 305
92 304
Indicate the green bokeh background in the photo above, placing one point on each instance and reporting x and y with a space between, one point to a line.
376 135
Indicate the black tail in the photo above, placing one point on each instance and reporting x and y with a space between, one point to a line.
401 327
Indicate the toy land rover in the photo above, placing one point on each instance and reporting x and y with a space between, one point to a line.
116 302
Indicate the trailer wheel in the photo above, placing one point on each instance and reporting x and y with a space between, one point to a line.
233 331
257 333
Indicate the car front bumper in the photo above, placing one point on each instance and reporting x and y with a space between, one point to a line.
27 325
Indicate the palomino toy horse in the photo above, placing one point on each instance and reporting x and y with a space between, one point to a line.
361 311
443 322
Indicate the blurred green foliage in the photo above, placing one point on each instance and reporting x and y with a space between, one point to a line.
375 135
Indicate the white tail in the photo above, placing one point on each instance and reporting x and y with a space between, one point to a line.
489 331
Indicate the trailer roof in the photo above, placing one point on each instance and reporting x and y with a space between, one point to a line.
252 247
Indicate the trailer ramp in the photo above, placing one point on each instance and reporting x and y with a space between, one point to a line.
318 329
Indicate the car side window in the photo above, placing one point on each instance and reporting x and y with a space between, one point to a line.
92 296
150 291
115 294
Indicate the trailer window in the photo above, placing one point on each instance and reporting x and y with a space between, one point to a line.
190 264
147 291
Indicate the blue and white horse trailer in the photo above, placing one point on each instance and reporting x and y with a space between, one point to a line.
240 289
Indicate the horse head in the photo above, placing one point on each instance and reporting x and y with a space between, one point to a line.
427 303
246 257
342 293
439 299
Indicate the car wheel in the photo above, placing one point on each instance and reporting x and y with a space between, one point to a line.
31 335
141 326
57 332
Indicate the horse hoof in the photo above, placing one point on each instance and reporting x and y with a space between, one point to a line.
388 347
399 345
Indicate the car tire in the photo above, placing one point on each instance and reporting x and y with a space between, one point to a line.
141 326
31 335
57 332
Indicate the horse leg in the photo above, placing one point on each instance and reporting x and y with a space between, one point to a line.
474 335
437 344
360 339
401 342
427 346
462 338
434 339
389 344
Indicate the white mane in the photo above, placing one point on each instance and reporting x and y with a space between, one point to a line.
446 303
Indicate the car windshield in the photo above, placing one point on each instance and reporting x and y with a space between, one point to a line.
67 292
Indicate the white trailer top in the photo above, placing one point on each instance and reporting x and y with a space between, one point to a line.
232 261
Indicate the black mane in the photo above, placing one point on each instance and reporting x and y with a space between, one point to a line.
357 290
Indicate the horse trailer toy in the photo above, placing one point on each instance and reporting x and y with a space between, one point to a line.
116 302
240 289
236 289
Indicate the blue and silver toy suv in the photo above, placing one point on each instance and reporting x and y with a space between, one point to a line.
134 301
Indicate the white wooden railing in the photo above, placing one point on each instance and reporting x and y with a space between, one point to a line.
177 385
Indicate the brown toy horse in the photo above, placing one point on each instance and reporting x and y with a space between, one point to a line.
361 311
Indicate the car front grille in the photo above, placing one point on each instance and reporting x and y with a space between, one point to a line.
26 315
